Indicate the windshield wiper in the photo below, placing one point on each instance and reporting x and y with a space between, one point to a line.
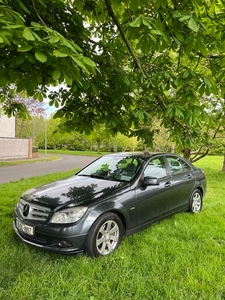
97 176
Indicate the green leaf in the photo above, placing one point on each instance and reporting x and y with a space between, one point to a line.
58 53
201 90
37 26
25 48
79 62
176 14
13 26
126 80
190 120
193 25
189 46
38 96
136 22
68 79
207 82
56 74
4 39
144 43
201 47
88 61
40 56
94 89
178 112
76 47
20 59
179 36
51 102
86 85
184 18
146 23
54 39
23 7
56 103
31 58
27 34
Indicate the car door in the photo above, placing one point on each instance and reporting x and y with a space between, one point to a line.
152 199
175 184
182 179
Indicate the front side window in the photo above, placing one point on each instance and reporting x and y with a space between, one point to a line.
155 168
177 165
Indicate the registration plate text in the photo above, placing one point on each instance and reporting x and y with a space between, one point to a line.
25 228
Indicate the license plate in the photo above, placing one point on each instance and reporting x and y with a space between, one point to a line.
25 228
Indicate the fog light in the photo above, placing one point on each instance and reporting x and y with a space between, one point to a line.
64 244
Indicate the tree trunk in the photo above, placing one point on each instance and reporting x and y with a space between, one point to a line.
223 168
187 153
99 144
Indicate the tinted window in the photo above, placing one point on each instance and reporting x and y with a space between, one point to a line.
177 165
155 168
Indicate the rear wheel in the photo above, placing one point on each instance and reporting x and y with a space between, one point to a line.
195 202
105 235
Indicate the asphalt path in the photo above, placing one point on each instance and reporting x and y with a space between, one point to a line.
65 163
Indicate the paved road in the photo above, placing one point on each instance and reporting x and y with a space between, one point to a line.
65 163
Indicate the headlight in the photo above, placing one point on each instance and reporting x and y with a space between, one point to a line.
69 215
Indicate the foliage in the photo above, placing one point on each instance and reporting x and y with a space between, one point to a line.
181 257
124 63
99 140
38 49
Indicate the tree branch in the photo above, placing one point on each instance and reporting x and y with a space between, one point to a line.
40 18
127 42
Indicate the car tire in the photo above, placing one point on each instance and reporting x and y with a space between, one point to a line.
195 205
104 236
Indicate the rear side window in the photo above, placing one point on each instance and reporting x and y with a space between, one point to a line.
177 165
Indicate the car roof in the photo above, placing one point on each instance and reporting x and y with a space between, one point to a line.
136 154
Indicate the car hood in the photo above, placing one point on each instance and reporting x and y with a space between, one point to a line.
73 191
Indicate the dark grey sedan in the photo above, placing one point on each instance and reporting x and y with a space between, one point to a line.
114 196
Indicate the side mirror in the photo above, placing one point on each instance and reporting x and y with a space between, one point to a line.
151 181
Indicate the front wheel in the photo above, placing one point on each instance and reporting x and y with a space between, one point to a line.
105 235
195 202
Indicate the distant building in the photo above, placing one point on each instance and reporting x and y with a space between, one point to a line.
10 146
7 126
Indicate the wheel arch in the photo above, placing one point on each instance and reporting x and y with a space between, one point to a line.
121 216
200 189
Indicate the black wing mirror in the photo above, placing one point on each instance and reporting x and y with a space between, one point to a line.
151 181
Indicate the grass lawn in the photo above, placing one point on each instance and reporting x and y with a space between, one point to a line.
182 257
13 162
51 155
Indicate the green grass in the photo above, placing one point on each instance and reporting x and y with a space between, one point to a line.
8 163
182 257
51 155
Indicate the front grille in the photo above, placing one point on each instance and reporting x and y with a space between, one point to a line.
31 211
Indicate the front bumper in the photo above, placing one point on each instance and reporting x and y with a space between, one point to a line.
62 244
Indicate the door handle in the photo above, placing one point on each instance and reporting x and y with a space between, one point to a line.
168 184
189 176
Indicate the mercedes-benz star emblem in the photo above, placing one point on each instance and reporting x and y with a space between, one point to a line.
26 210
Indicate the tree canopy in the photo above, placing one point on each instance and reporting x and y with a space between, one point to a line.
122 63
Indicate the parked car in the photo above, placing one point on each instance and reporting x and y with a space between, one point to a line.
114 196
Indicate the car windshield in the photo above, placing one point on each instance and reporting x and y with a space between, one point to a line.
117 168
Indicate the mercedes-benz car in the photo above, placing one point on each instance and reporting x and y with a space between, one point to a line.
114 196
